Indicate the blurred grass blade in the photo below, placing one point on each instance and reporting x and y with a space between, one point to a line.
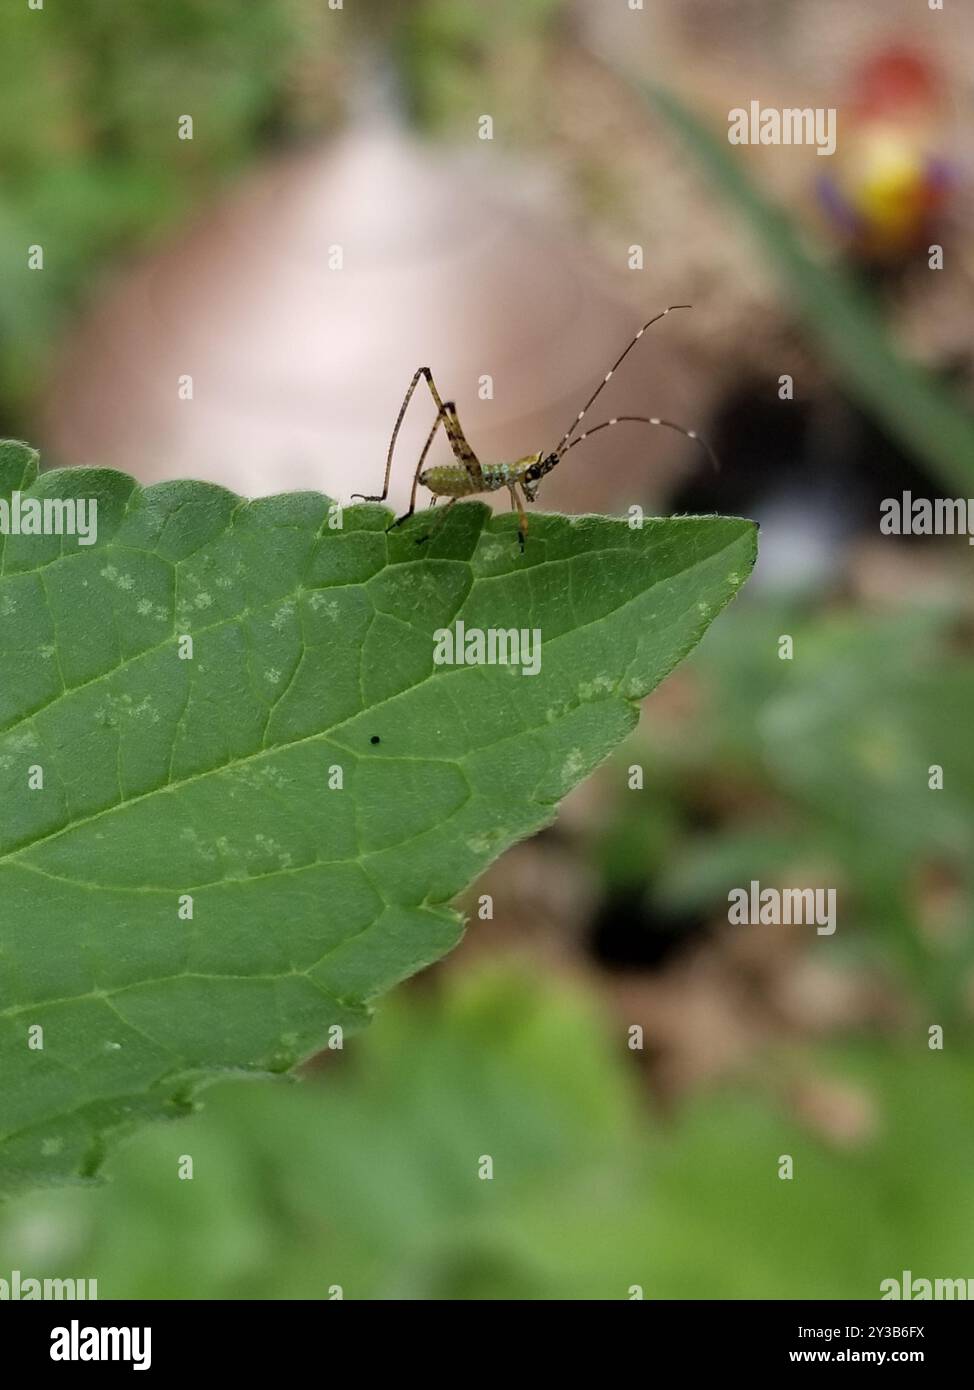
911 405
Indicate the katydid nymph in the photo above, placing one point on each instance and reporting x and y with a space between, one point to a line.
466 475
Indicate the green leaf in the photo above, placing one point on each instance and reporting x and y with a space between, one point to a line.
214 776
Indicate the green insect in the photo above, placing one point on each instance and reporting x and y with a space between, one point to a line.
467 476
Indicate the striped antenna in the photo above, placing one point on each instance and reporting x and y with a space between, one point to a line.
608 376
649 420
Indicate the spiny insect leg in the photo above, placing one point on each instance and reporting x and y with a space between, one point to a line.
395 434
419 373
462 452
442 416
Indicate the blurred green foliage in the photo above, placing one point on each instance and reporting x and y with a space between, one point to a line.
450 53
368 1177
92 94
817 769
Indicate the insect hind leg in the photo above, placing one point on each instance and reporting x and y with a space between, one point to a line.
462 452
419 372
442 415
458 443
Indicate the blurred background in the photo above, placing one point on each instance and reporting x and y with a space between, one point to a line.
248 305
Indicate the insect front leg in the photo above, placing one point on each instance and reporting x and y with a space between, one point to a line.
522 516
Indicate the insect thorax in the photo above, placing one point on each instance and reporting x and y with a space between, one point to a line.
498 475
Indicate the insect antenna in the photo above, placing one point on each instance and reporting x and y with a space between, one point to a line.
649 420
608 377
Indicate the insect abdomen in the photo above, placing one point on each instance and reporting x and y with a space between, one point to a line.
448 481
